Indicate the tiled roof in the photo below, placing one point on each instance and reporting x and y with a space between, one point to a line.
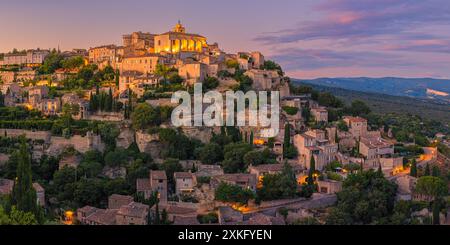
6 186
185 221
275 167
143 185
37 187
237 177
175 209
103 216
262 219
158 174
375 142
120 197
134 209
185 175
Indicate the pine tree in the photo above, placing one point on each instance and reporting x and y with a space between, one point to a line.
23 195
427 170
312 169
413 169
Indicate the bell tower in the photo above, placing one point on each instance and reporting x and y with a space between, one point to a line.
179 28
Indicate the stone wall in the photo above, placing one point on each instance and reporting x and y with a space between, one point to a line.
106 116
34 135
80 143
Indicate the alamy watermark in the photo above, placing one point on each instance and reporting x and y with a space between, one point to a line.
255 114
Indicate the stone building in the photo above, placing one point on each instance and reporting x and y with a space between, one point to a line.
156 182
115 201
178 40
264 79
106 55
184 182
373 149
329 186
314 143
138 43
357 126
320 114
193 72
145 63
29 58
133 213
246 181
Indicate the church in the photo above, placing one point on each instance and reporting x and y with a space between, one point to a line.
178 40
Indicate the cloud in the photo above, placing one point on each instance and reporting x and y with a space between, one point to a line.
349 19
310 59
366 34
422 45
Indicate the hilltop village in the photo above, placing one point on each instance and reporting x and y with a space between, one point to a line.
87 134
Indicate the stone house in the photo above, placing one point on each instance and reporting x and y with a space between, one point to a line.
184 182
329 186
115 201
357 126
176 210
40 194
156 182
132 214
320 114
246 181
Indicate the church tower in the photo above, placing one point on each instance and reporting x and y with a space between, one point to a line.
179 28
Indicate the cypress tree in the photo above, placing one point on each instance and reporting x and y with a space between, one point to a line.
91 102
109 101
435 171
157 219
287 139
312 169
2 99
436 212
117 76
380 171
23 194
251 138
413 169
130 102
427 170
164 217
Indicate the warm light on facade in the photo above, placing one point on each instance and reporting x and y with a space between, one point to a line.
68 217
258 142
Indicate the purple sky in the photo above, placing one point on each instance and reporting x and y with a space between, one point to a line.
310 38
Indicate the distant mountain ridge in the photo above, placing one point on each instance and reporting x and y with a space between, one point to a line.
384 103
421 88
